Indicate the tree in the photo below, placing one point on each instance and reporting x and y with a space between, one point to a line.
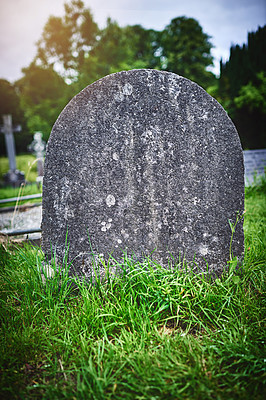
79 51
242 88
43 95
73 50
186 50
253 95
66 41
119 48
10 104
144 44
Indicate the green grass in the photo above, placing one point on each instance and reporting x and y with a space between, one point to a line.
27 164
154 334
24 190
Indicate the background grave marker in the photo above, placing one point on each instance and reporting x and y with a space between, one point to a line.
13 176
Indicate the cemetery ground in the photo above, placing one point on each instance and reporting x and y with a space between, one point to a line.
28 164
157 334
25 162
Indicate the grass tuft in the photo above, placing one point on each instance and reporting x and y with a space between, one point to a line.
148 334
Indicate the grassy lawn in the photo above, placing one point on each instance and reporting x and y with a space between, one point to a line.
153 335
27 164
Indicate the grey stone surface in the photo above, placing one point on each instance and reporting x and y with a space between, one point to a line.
143 161
255 162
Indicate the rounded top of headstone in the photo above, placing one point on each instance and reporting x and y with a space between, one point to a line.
143 161
121 87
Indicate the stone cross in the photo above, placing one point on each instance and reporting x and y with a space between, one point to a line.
38 147
143 162
14 176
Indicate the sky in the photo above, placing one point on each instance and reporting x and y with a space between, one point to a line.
226 21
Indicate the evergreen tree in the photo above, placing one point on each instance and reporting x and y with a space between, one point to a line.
242 89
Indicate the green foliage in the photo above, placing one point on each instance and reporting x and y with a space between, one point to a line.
86 53
255 226
43 95
258 186
253 97
186 50
25 162
151 333
242 89
24 190
9 102
67 40
117 49
73 52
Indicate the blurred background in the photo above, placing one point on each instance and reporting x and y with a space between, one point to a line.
51 49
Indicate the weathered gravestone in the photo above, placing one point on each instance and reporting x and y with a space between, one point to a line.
255 164
143 161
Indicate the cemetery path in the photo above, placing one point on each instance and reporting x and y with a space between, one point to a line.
28 219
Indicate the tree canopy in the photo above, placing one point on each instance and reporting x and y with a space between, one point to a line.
74 52
43 94
75 47
186 50
10 104
242 89
10 101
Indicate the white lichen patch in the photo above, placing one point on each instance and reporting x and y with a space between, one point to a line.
119 96
68 213
127 89
204 116
124 234
110 200
195 201
174 90
203 250
106 225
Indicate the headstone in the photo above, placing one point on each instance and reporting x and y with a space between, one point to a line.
13 176
143 162
255 164
37 146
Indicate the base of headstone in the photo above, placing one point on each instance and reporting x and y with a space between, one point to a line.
14 178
